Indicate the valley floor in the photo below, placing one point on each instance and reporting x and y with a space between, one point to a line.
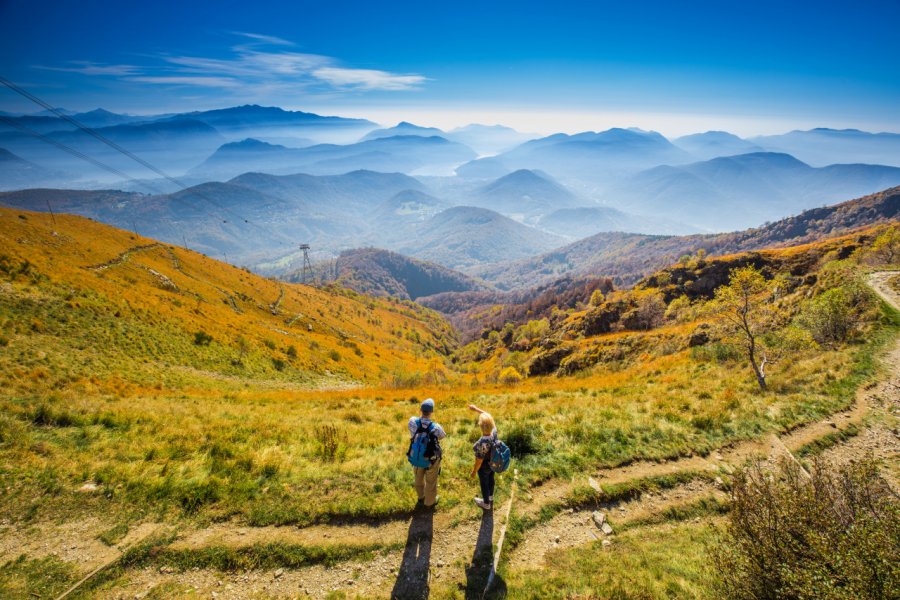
660 515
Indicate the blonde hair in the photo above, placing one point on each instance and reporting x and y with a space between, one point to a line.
486 422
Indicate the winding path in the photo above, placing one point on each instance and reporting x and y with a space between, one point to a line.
453 547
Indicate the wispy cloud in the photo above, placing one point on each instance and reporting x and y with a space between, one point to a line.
218 82
90 68
265 39
368 79
260 62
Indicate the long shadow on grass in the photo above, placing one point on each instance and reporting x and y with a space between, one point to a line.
412 580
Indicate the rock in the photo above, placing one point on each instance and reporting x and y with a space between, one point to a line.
606 543
606 529
599 518
595 485
719 482
89 487
556 539
279 573
700 336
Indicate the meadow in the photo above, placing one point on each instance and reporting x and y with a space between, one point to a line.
113 404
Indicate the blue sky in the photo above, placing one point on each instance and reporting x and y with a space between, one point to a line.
542 66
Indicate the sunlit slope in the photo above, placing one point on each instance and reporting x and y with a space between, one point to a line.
83 300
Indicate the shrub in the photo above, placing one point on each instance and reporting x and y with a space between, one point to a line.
330 443
509 375
291 351
278 364
648 313
201 338
834 315
334 355
522 440
834 535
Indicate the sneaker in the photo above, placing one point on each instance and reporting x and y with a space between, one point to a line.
482 504
431 506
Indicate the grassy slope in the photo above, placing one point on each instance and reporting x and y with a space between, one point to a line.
213 440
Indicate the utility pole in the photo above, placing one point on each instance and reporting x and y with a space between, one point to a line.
306 272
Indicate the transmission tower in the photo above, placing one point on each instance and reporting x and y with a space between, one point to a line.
307 272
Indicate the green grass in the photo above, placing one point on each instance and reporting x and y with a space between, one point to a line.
36 578
667 561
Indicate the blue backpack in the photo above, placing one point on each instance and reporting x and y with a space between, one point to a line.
500 456
423 446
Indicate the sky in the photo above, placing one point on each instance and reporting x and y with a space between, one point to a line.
675 67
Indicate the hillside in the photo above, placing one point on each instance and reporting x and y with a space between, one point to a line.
17 173
464 236
377 272
585 221
94 302
313 209
525 193
627 257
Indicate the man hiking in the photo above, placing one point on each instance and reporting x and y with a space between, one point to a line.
425 453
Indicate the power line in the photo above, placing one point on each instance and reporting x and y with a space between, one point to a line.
74 152
120 149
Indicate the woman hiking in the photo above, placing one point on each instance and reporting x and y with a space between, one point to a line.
483 448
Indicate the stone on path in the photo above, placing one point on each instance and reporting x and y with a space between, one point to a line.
599 518
594 485
606 529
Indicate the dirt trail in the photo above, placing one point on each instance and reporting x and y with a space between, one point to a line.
438 548
576 527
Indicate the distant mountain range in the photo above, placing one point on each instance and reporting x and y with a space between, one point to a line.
715 143
627 257
737 192
592 155
392 154
484 139
822 146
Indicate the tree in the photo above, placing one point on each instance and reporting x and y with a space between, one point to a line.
740 304
886 247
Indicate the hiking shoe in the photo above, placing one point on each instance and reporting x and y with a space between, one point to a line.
431 506
482 504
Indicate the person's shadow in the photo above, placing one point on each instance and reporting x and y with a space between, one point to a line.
481 570
412 579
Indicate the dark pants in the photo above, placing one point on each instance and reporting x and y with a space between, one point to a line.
486 479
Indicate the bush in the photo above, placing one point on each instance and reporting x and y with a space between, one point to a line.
834 535
201 338
278 364
522 440
330 443
833 316
334 355
510 375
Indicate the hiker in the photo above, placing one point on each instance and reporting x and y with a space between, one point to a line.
483 448
425 453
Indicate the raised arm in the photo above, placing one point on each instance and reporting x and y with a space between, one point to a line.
475 408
